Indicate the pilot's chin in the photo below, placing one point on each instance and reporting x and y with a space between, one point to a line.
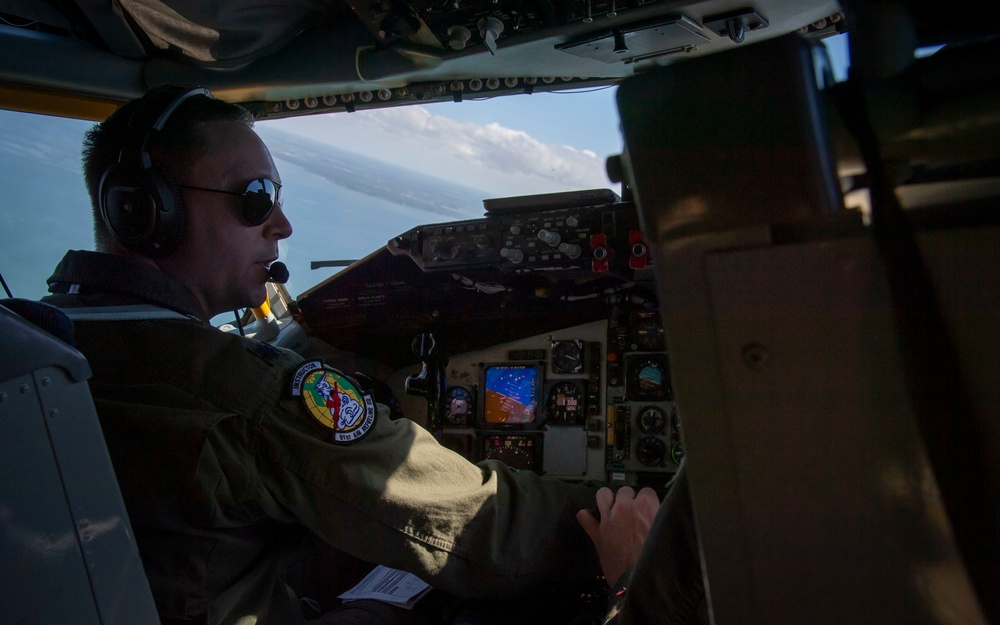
256 296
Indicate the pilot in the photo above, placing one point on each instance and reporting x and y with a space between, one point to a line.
232 453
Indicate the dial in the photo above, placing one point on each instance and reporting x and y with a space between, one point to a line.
567 356
648 378
651 420
564 404
677 452
651 451
460 406
676 446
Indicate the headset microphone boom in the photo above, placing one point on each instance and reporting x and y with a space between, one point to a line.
277 272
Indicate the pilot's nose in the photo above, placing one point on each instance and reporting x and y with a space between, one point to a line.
277 225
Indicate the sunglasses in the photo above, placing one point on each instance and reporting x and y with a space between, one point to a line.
259 199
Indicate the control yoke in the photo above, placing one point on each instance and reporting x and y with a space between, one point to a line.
430 383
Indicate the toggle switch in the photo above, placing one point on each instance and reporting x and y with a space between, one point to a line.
489 29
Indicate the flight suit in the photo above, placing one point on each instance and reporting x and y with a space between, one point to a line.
226 467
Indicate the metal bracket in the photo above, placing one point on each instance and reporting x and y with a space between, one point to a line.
736 24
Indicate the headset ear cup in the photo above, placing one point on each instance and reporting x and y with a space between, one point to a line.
169 227
126 206
143 209
140 204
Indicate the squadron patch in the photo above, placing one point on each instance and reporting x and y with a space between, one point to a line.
335 401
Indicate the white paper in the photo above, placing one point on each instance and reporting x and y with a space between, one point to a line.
389 586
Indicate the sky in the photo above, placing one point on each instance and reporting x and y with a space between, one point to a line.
515 145
512 145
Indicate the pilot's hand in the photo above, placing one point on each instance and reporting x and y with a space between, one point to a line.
621 527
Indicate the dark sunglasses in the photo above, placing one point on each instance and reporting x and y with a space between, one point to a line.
259 199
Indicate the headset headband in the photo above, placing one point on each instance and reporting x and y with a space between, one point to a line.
159 108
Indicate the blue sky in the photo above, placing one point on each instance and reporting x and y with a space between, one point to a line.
513 145
542 115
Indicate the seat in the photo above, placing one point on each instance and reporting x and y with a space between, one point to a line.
67 548
835 381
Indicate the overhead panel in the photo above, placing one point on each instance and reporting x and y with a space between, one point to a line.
636 42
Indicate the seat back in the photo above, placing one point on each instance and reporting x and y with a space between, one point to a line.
835 385
67 549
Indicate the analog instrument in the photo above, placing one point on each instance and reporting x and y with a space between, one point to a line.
459 407
648 378
651 451
567 356
564 403
651 420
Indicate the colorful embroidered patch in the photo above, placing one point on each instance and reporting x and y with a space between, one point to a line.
334 401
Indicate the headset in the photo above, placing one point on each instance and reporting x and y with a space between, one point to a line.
140 203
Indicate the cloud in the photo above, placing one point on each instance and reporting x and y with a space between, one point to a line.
488 156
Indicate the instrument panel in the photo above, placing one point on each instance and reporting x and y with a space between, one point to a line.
593 401
570 231
537 332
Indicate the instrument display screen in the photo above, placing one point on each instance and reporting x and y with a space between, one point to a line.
517 451
511 394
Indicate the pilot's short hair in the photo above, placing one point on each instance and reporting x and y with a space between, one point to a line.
180 137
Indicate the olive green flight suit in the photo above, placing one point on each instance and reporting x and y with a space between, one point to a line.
224 471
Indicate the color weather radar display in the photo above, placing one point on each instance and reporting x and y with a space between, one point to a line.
511 394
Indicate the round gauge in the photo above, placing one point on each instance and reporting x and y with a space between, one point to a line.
651 420
564 403
648 378
567 356
677 452
460 406
676 446
651 451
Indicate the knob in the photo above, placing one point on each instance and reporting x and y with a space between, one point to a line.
511 254
571 249
552 238
458 37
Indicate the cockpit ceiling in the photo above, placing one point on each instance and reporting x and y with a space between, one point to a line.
294 57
